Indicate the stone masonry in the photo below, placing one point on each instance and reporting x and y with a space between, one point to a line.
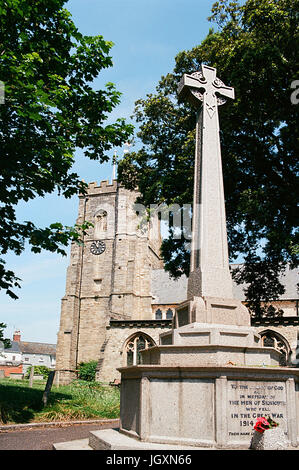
112 284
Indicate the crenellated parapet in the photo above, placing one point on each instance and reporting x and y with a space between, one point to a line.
94 189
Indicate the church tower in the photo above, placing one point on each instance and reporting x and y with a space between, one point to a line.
109 276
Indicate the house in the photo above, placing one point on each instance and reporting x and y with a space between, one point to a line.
38 354
11 359
23 354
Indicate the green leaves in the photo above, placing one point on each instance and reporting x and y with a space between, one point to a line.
5 341
50 110
87 370
55 236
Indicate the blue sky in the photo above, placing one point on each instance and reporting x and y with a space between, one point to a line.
147 35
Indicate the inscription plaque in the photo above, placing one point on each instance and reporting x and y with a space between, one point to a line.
249 400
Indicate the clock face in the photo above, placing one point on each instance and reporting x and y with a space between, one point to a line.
97 247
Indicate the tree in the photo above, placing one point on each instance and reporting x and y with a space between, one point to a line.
50 109
4 342
254 50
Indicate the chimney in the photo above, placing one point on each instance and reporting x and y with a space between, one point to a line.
17 336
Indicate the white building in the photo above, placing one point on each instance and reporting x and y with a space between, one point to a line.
28 354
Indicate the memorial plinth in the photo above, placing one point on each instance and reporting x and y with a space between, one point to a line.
206 406
209 379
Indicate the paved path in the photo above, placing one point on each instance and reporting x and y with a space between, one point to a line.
42 438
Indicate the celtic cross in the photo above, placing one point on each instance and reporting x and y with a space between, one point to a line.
204 86
209 270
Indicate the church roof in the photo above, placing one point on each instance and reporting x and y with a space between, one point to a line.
166 290
289 279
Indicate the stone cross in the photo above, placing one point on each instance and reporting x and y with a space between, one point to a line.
209 270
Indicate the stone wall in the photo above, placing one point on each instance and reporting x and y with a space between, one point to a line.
11 369
118 334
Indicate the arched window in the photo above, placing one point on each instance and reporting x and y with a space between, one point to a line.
158 314
169 314
136 344
101 221
271 339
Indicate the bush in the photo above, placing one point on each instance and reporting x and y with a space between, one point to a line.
39 370
87 370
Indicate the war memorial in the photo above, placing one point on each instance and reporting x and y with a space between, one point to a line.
210 377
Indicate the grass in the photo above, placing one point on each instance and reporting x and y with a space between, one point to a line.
78 401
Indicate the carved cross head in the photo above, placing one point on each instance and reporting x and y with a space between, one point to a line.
204 86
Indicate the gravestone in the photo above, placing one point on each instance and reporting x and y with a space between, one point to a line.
31 377
48 387
209 379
